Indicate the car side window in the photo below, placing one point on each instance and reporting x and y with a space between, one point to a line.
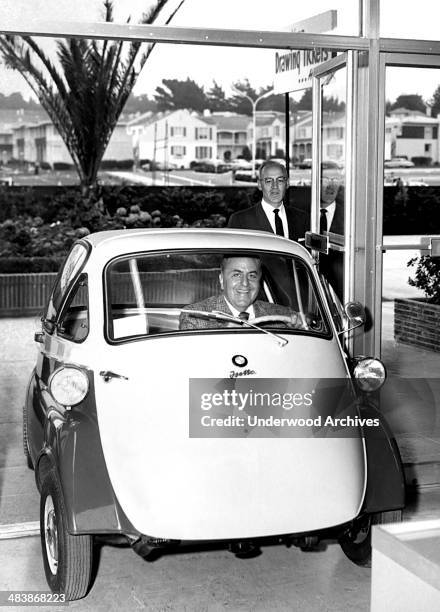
74 320
71 268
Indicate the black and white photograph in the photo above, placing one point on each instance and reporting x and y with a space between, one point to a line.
220 305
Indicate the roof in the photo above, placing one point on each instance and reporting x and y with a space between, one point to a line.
149 118
10 118
112 243
232 123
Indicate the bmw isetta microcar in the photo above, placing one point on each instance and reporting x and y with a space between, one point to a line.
153 417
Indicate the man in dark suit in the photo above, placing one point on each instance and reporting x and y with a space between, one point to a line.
240 283
271 214
332 220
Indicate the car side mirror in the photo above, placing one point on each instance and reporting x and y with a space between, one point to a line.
356 316
39 337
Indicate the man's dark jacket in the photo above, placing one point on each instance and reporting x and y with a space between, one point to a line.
255 218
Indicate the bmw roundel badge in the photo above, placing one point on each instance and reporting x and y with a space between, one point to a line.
240 361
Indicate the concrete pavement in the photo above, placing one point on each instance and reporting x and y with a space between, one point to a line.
278 579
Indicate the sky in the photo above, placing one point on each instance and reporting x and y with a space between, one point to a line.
226 65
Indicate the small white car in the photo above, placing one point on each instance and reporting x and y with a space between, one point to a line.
152 417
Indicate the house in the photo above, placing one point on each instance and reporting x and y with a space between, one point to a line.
232 134
173 138
10 118
270 134
40 142
411 134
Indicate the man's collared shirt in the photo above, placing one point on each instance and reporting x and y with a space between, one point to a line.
330 214
235 312
268 209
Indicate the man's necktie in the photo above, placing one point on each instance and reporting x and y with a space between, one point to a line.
278 222
323 221
244 316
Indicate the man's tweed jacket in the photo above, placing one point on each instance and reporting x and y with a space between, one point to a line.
218 302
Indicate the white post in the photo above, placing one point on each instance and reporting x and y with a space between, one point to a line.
254 134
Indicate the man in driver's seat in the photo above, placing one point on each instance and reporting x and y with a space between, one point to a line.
240 278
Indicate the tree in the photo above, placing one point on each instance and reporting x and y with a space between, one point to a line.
139 104
435 102
216 98
85 95
180 94
410 102
306 101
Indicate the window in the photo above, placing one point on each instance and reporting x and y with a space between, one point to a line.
178 150
428 133
146 293
178 131
203 152
71 268
74 320
277 130
203 133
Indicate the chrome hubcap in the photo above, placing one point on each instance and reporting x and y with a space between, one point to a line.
51 535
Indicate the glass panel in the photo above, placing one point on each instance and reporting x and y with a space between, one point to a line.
74 322
333 135
71 268
410 323
401 20
274 290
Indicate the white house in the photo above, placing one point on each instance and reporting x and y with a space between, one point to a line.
412 134
232 135
270 132
174 137
41 142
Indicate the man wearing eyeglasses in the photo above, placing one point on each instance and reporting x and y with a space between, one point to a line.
272 214
332 220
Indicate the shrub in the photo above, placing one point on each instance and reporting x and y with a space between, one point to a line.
426 277
62 166
26 265
422 161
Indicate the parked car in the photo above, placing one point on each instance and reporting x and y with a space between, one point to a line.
240 164
227 430
326 164
398 162
153 165
305 164
211 165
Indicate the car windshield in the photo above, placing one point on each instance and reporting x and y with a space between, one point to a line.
194 292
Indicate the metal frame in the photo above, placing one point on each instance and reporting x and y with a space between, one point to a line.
193 36
391 59
366 80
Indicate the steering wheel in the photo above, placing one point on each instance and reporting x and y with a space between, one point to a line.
287 320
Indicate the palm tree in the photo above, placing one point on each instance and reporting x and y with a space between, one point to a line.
85 95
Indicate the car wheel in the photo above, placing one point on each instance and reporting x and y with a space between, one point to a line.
356 542
67 558
26 439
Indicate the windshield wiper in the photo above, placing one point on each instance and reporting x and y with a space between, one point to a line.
223 316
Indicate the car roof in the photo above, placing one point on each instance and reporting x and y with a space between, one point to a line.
112 243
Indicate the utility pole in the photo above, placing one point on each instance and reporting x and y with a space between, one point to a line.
254 121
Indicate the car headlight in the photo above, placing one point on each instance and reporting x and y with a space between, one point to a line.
369 374
69 386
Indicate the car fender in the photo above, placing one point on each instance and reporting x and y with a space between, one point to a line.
72 448
385 475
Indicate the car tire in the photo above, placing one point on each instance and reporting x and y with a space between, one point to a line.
26 439
356 541
67 558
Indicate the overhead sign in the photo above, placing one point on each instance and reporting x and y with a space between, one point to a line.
292 68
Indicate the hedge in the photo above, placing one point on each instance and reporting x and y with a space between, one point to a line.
38 224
